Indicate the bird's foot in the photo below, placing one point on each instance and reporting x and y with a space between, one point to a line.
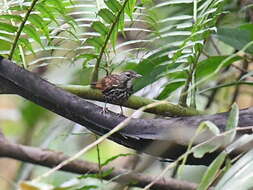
104 110
121 113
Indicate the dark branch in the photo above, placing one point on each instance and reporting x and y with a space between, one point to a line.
139 134
51 158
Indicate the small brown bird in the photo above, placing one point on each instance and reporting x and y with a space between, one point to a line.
116 88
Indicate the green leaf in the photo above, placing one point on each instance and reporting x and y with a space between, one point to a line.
211 172
32 113
5 38
239 176
236 37
148 78
25 43
100 28
201 128
232 123
31 32
46 12
114 5
58 5
17 18
169 88
209 65
114 36
243 140
88 187
210 126
96 42
146 1
5 45
87 57
121 22
200 150
130 8
8 27
37 21
115 157
177 74
19 8
150 68
103 174
7 35
106 15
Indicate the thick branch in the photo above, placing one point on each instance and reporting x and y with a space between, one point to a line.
171 135
51 158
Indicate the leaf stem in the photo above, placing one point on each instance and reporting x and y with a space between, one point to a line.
21 27
99 161
94 77
184 92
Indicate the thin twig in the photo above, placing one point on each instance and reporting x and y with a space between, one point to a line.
219 53
215 46
99 160
206 54
21 27
227 85
184 92
237 88
95 72
239 68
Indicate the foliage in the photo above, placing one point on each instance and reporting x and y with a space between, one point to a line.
165 46
184 46
43 26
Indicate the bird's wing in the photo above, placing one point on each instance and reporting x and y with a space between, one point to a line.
108 82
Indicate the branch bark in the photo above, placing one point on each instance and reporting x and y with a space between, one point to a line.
160 137
50 158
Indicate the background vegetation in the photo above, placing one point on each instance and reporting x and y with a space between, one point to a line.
194 53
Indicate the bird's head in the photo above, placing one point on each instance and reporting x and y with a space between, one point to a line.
129 75
127 78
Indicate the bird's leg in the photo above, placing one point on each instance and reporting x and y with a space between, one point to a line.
105 109
121 110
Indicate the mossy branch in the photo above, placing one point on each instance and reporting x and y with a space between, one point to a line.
134 102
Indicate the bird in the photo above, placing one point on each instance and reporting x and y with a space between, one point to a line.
116 88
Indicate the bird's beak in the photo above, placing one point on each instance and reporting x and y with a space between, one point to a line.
138 76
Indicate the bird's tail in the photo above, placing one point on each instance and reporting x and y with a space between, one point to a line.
93 85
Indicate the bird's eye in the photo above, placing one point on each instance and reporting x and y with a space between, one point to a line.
128 75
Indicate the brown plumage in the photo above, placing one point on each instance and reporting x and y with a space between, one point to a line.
116 88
